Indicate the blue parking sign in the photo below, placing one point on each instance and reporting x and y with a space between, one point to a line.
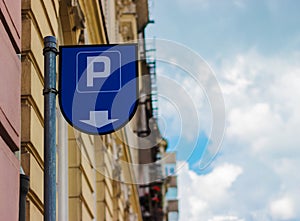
98 86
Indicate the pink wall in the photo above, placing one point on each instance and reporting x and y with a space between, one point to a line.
10 89
11 11
10 72
9 184
10 107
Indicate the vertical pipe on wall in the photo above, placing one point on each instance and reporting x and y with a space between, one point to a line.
24 188
50 52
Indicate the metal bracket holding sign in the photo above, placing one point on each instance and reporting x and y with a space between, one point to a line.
98 86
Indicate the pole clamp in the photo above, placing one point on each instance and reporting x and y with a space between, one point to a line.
50 90
50 49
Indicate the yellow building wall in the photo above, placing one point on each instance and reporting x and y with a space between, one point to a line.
93 195
36 24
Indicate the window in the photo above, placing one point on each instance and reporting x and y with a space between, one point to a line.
169 169
173 216
172 193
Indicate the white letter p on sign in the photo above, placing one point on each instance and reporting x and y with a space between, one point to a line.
97 67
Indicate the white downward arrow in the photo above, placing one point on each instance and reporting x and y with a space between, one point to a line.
98 119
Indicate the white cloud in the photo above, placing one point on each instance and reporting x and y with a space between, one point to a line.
262 135
260 180
261 98
206 193
249 122
255 125
282 209
225 218
181 100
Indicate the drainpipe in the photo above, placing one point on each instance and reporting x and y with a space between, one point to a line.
24 187
62 152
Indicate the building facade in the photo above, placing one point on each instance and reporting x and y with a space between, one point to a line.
102 179
157 166
93 193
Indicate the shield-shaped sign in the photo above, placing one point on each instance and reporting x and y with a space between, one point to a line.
98 86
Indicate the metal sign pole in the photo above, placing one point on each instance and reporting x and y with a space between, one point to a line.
50 52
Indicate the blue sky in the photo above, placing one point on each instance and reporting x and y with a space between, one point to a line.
253 48
218 28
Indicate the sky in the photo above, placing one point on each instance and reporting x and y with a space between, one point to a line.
251 48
